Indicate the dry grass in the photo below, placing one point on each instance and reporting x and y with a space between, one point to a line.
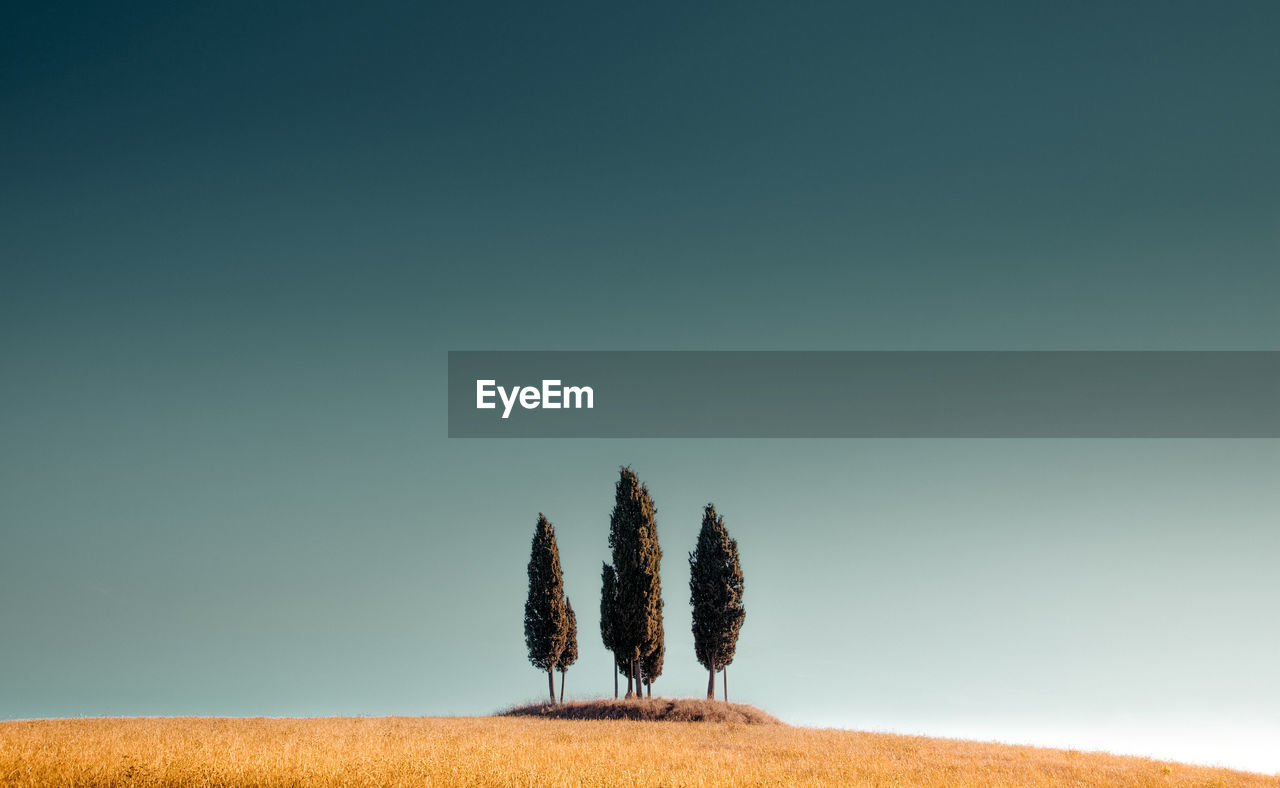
527 751
649 710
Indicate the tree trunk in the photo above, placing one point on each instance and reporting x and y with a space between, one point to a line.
726 683
639 673
648 689
562 685
629 690
711 682
551 684
613 661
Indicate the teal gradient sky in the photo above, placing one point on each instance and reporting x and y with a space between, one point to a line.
239 240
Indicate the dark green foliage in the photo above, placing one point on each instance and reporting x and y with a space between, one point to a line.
715 591
633 538
651 666
608 607
609 620
570 653
546 619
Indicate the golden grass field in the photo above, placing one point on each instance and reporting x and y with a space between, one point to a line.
523 751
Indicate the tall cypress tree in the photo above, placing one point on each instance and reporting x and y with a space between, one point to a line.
570 653
715 592
637 558
546 619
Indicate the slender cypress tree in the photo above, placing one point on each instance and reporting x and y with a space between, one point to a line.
651 666
546 620
715 592
570 653
633 538
608 618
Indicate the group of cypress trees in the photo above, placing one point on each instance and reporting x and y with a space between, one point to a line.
631 596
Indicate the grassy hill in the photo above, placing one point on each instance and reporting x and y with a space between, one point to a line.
523 750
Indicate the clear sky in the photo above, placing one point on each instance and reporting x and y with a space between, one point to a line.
238 240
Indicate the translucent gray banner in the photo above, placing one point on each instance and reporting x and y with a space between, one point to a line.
857 394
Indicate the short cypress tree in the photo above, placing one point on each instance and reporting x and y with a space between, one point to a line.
715 592
546 620
633 538
651 666
608 617
570 653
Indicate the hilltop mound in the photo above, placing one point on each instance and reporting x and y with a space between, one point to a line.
648 709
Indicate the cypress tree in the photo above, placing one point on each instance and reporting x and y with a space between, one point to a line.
651 666
715 592
546 620
608 617
633 538
570 653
